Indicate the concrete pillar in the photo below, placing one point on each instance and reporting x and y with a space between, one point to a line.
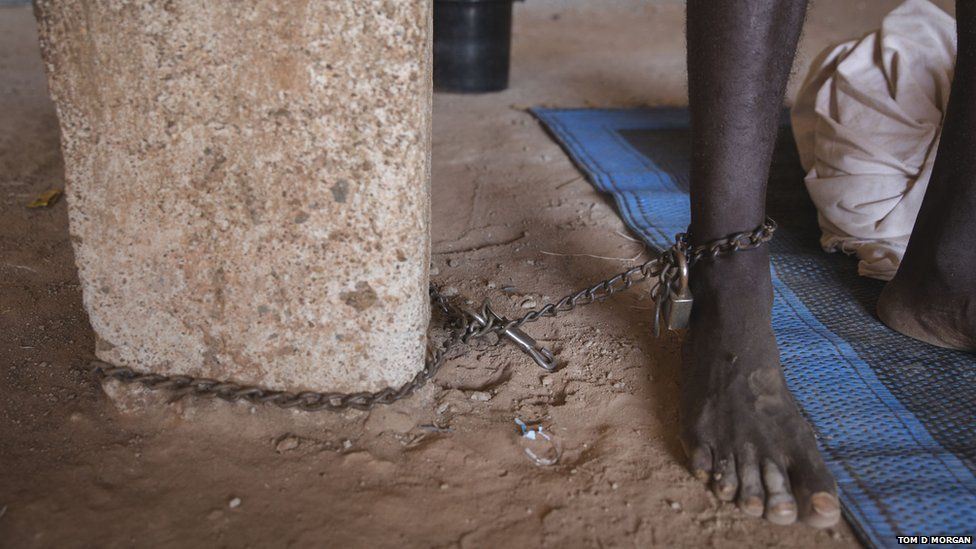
247 184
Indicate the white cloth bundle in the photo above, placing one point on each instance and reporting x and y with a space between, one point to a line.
867 122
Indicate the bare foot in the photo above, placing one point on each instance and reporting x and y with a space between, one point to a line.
742 430
931 311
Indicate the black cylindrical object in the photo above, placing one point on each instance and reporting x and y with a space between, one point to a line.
472 45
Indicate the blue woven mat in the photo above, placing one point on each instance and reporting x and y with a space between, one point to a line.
895 418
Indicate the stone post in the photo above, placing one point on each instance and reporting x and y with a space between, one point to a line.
248 184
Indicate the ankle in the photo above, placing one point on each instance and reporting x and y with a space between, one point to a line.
936 277
733 284
747 269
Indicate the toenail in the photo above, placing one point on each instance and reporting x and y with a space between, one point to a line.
824 503
783 509
752 506
725 491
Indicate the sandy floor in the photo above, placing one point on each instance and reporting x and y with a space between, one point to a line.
511 218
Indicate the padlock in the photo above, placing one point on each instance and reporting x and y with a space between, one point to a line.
676 307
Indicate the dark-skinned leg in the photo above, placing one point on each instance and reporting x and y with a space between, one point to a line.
741 427
933 295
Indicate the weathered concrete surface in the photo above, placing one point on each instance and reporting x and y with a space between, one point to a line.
248 184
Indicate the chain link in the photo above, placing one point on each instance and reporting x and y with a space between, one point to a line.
735 242
462 326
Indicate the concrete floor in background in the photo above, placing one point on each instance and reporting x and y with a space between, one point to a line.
442 469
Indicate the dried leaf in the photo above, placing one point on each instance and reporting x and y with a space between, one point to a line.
47 199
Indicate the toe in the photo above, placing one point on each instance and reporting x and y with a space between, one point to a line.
823 510
780 505
725 481
815 491
701 462
751 493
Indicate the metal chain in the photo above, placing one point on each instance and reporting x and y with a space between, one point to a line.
462 325
735 242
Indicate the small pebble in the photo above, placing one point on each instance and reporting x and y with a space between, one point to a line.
529 304
347 444
449 291
287 443
453 262
234 503
434 271
483 396
547 381
443 408
674 505
445 486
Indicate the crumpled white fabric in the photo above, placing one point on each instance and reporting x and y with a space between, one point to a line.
867 122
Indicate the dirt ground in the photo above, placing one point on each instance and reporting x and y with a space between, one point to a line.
513 220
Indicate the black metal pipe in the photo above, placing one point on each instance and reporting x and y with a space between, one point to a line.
472 45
